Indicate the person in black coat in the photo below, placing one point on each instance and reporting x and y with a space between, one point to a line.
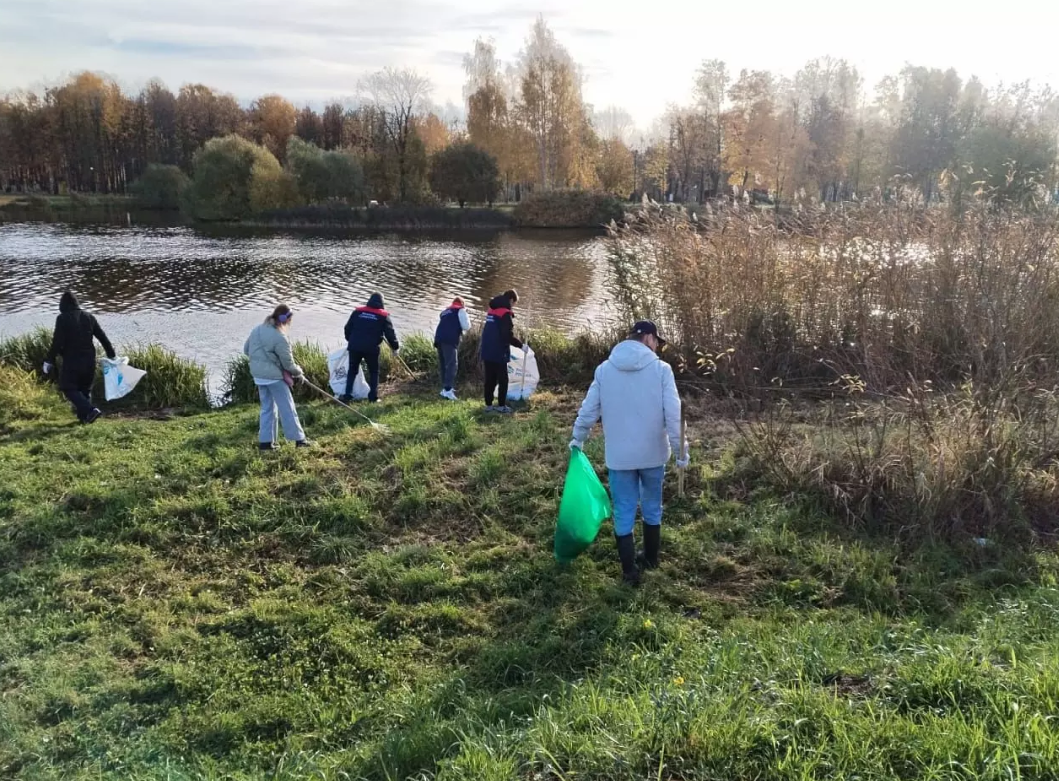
498 337
365 331
75 330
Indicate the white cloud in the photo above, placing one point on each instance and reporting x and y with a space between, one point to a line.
636 55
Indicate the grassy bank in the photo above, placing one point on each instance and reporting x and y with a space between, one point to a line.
17 202
173 604
172 382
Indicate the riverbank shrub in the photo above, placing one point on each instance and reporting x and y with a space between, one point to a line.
26 351
220 186
237 384
324 175
569 209
160 187
172 382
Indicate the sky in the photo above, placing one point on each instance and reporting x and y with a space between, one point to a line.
638 55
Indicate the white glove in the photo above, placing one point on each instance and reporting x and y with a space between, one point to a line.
683 461
398 350
577 444
47 367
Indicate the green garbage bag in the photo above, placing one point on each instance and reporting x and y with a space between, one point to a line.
582 510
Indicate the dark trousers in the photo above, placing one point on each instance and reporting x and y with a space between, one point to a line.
448 361
495 380
370 358
75 382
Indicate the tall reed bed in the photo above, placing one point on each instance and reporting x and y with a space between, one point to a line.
932 334
882 292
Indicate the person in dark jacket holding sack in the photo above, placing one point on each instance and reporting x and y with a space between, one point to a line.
75 330
365 331
451 326
498 337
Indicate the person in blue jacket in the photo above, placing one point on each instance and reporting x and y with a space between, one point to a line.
498 337
452 324
365 330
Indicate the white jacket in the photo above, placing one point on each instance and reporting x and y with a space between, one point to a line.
635 394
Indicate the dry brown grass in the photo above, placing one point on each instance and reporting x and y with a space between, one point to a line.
881 292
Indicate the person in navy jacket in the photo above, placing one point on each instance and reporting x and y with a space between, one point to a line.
365 330
498 337
452 324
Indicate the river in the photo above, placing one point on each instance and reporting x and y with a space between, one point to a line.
199 293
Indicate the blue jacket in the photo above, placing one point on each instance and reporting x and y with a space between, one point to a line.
498 335
451 326
367 327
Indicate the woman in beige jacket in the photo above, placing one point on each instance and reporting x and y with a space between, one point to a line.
274 371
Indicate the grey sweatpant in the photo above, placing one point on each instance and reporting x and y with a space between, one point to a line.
277 396
448 361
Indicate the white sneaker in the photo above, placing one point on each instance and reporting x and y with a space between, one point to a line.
450 395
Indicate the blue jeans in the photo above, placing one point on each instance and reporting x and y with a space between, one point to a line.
277 396
630 488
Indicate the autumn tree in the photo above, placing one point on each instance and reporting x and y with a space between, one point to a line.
710 90
273 121
433 133
203 114
749 129
614 168
309 126
399 96
551 108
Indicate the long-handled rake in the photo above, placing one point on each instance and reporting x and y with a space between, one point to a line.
682 471
411 374
382 429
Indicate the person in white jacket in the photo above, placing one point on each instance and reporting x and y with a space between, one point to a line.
636 395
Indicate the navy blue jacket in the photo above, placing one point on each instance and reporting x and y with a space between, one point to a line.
498 335
367 327
449 330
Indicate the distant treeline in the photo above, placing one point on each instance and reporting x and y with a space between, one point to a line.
816 135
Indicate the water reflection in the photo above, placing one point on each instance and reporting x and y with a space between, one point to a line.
199 291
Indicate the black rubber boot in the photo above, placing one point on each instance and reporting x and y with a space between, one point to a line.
630 574
652 541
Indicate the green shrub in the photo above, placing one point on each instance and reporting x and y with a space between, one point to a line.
419 354
172 382
569 209
465 173
26 351
238 384
160 187
224 171
322 176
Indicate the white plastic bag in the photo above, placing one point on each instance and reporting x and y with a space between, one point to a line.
119 378
522 374
338 366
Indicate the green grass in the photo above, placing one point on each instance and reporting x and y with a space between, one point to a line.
171 381
174 604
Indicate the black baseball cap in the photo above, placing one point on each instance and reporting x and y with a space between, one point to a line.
647 327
